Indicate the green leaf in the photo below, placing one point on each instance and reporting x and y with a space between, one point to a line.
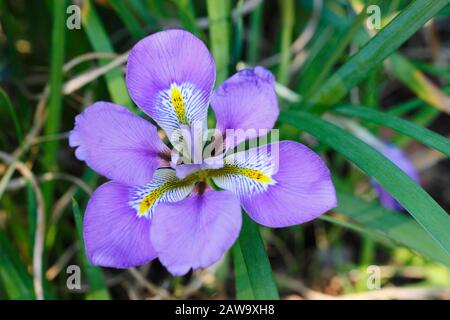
144 13
255 32
418 83
125 14
243 286
186 11
98 289
427 137
412 197
392 225
53 122
252 265
323 62
219 35
6 103
390 38
13 273
287 8
99 40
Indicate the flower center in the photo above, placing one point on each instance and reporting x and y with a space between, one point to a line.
200 176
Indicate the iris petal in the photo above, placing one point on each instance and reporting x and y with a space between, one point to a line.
114 236
296 187
197 231
170 75
117 144
247 102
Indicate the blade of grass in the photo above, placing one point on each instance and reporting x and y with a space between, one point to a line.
98 289
255 264
418 83
412 197
187 16
13 273
53 122
374 52
125 14
243 286
5 102
219 35
423 117
287 8
140 9
323 63
254 38
238 35
99 40
392 225
427 137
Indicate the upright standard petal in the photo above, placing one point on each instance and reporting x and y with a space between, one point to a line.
246 103
118 144
114 235
196 232
280 185
170 75
399 158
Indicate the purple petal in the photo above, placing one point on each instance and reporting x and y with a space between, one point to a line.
246 101
303 189
164 61
113 234
196 232
399 158
117 144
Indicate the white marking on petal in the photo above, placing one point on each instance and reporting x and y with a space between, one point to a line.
249 172
163 188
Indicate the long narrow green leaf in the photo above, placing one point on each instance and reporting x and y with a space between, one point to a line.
99 40
13 273
427 137
5 102
413 198
243 286
287 8
256 264
418 83
392 225
125 14
254 38
98 289
53 123
323 62
219 35
141 9
187 15
375 51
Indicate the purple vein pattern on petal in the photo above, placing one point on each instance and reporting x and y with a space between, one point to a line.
117 144
399 158
303 189
246 101
114 236
163 62
196 232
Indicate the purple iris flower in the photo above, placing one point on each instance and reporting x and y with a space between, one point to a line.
399 158
158 204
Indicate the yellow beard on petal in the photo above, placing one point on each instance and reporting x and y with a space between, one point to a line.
253 174
178 105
